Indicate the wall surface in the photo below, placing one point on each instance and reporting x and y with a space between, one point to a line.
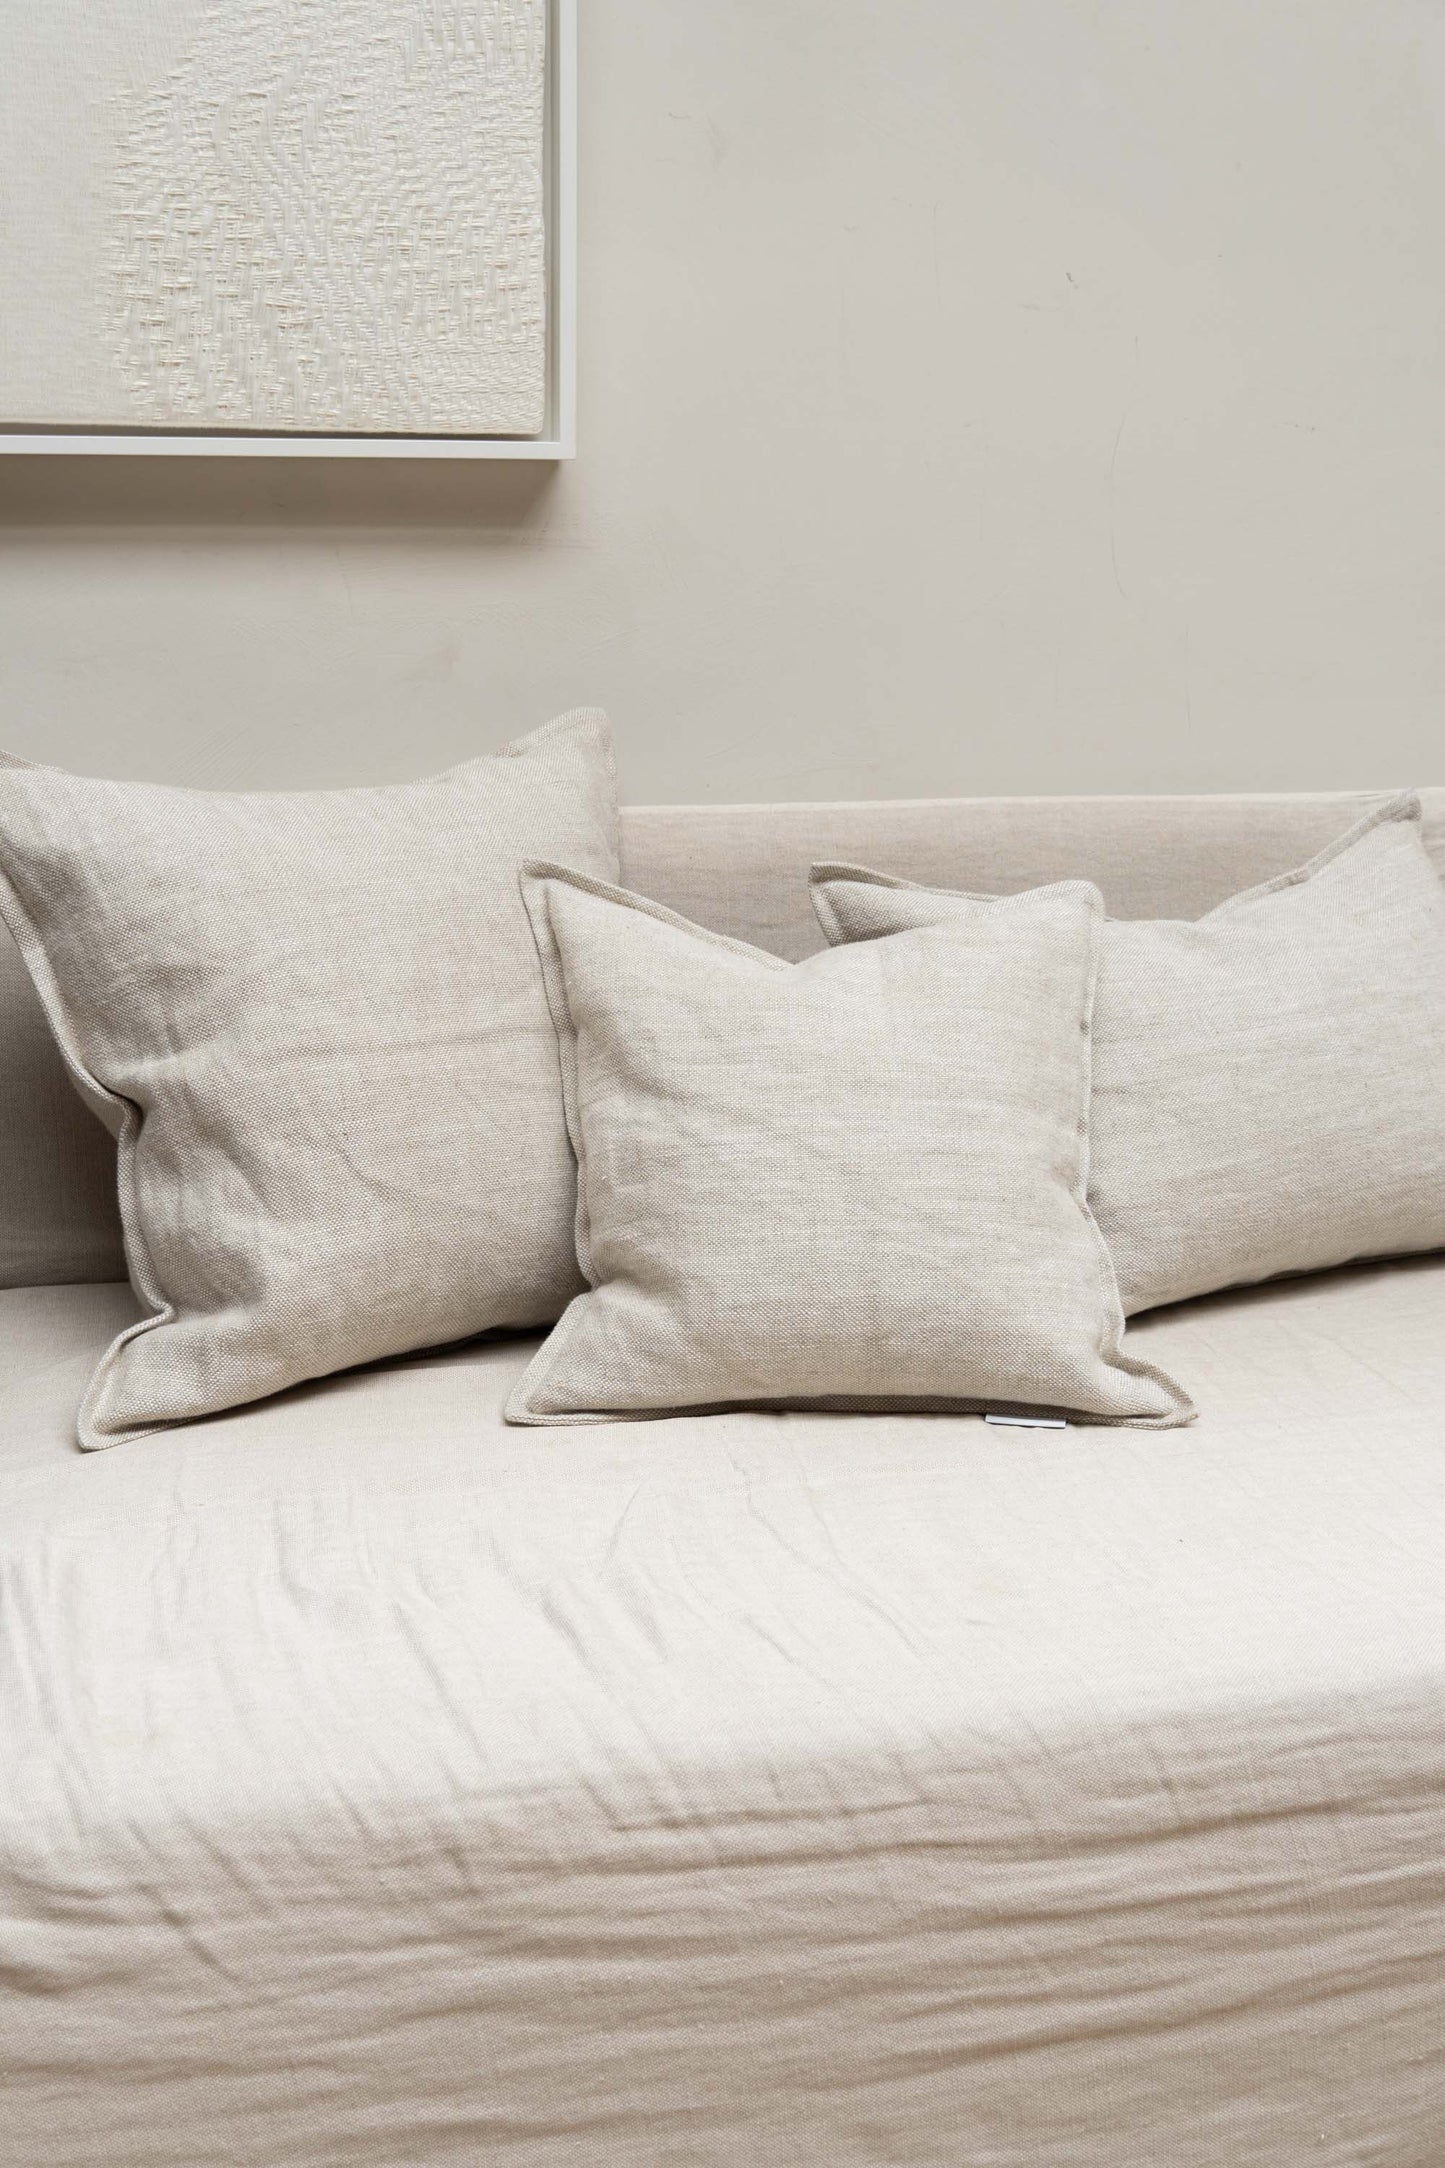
1003 396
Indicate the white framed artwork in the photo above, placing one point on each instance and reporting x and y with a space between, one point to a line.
289 228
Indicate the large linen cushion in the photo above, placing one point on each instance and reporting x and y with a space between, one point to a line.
1269 1080
315 1024
856 1181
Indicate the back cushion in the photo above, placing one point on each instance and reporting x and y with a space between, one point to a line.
742 870
58 1214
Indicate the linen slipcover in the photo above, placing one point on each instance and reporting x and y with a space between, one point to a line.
383 1787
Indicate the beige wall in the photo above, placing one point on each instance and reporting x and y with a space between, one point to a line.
978 395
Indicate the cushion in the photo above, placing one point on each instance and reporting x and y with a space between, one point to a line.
58 1214
854 1181
737 869
315 1022
1269 1080
384 1786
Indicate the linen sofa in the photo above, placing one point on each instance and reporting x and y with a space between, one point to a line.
382 1785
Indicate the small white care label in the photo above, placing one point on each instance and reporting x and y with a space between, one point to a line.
1028 1422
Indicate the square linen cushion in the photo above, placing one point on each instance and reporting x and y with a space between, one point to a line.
852 1182
316 1025
1269 1080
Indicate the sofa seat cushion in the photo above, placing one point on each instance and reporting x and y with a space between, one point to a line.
386 1785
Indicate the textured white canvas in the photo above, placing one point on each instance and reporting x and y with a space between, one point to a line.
289 215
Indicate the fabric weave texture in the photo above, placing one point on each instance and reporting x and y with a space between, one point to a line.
1269 1080
856 1181
315 1023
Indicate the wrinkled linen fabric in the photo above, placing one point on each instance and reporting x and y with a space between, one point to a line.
315 1022
742 871
1269 1080
853 1181
383 1786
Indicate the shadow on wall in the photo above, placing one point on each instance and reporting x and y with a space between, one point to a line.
172 491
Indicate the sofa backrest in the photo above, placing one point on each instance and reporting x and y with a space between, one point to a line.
744 871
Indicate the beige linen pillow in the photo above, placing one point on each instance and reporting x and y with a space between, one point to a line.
856 1181
1269 1080
316 1024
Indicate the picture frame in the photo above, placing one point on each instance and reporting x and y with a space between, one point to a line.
557 439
